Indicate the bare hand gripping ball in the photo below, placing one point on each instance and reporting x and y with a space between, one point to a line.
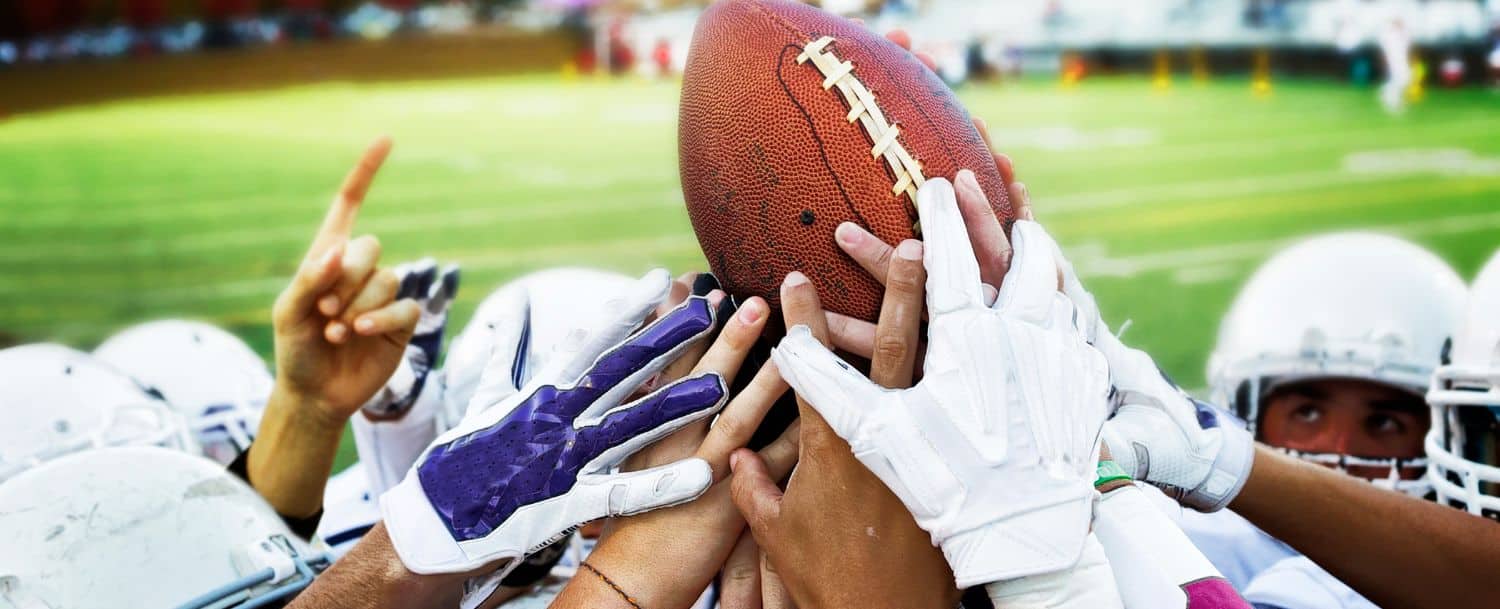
792 121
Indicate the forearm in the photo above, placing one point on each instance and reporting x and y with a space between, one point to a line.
1396 550
1154 562
371 575
589 590
673 577
293 454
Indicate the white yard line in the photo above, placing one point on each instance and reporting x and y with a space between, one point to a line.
1096 261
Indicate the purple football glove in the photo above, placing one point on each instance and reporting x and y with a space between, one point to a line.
536 464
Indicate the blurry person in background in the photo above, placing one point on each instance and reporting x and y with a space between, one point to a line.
1493 59
306 20
211 377
146 18
45 22
224 20
1395 49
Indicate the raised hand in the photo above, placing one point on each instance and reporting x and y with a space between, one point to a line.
340 332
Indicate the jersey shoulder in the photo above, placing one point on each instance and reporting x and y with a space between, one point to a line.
1299 583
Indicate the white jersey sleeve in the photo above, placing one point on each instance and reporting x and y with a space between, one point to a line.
1238 549
349 510
1155 564
1299 583
387 449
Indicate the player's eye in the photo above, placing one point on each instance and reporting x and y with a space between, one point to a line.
1308 413
1385 424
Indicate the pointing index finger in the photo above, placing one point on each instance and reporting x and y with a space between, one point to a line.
341 214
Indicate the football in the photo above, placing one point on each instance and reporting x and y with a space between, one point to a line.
792 121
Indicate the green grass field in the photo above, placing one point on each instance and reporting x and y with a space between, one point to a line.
200 206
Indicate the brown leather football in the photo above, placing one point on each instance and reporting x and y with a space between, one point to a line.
792 121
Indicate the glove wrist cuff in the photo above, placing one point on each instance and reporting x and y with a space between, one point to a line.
419 537
1039 541
1230 470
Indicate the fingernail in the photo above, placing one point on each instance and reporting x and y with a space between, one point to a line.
751 311
1025 194
848 234
793 279
329 304
715 297
910 249
337 332
990 294
965 180
364 324
734 460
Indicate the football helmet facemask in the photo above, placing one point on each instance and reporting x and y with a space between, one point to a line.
1463 444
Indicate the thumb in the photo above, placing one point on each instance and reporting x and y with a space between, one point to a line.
314 277
629 493
755 495
1115 437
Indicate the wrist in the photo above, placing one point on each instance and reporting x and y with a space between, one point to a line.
634 577
292 454
1110 476
303 411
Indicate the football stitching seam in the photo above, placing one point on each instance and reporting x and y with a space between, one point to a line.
884 135
813 130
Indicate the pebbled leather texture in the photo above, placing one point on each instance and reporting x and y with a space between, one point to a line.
771 165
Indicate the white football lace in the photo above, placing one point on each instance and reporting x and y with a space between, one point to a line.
862 108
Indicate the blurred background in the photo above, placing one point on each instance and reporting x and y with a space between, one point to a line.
171 158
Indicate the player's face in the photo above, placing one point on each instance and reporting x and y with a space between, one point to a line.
1348 417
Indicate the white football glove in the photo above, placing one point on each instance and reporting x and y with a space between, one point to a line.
434 291
994 450
521 473
1193 451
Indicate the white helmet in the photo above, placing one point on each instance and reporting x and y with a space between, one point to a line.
210 376
56 400
1464 442
1346 305
549 304
144 527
